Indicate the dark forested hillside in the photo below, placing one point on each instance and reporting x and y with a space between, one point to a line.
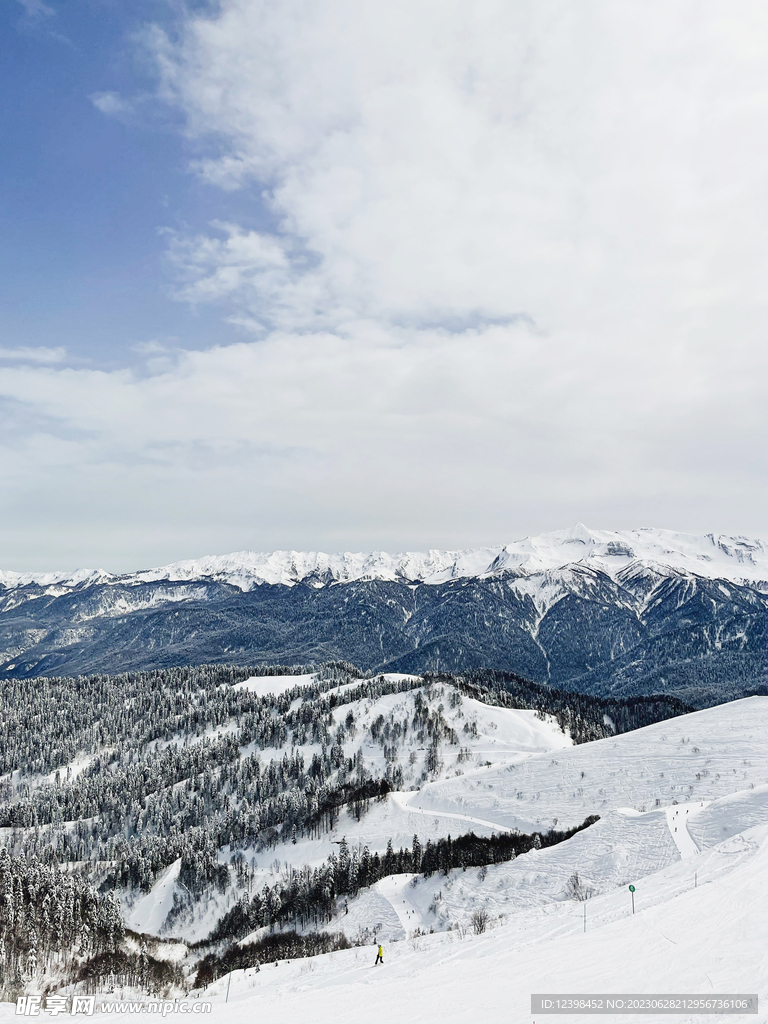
641 633
167 776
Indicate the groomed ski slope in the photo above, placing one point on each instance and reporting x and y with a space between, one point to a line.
711 938
707 938
623 847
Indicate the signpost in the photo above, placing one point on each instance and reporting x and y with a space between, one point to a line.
632 890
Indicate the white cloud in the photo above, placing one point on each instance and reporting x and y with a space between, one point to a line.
378 438
33 355
111 104
428 162
517 280
241 263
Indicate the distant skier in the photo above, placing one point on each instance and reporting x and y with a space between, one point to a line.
380 956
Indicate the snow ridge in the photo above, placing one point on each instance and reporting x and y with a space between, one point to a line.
739 559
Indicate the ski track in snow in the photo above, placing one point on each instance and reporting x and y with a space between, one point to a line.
402 800
677 819
392 889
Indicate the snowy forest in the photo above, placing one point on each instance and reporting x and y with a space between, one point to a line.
108 780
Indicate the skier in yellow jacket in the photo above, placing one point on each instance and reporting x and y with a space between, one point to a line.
380 956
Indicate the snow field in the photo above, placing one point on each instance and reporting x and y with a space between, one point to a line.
502 734
147 912
697 757
264 686
622 847
151 909
728 816
384 821
707 939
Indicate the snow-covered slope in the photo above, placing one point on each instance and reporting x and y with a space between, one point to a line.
538 780
683 817
708 939
702 933
712 555
702 756
662 793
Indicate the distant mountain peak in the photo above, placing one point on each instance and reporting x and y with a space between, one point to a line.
712 555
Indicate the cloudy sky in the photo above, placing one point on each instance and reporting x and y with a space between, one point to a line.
377 275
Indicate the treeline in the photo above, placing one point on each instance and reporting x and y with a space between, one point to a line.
236 805
702 680
582 716
45 722
477 851
134 970
144 813
48 917
311 895
146 809
280 946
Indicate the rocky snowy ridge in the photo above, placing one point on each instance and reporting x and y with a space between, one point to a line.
714 556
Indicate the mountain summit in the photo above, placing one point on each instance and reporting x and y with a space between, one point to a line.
713 556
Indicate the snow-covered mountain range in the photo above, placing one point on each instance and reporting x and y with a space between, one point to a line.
713 556
641 611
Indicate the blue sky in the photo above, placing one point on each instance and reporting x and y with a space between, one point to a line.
84 195
364 276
